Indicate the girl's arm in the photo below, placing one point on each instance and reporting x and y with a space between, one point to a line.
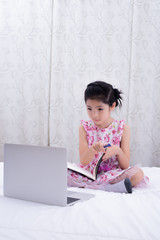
87 153
122 152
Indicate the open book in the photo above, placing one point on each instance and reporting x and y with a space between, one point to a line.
84 172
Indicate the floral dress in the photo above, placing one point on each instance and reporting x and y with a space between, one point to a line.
109 169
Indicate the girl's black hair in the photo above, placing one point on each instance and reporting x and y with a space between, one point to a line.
103 92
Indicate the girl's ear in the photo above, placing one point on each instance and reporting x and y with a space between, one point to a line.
113 106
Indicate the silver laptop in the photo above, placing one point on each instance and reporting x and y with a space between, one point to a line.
38 174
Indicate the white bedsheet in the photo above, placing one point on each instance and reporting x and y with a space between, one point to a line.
107 216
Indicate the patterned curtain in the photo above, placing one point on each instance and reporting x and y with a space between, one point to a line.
50 50
25 52
117 42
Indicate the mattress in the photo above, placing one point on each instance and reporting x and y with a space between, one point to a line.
108 215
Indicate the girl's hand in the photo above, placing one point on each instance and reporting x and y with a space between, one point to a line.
110 152
98 147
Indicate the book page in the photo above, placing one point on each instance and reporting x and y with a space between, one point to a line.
74 167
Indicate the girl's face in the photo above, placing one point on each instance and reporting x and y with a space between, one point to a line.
99 112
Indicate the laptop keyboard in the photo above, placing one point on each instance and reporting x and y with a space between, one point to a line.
71 200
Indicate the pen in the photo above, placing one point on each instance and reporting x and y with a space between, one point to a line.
108 145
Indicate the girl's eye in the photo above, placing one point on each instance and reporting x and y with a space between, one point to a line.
89 109
100 109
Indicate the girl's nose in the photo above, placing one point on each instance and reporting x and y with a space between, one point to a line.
95 114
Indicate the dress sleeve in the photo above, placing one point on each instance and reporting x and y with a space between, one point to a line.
120 129
85 125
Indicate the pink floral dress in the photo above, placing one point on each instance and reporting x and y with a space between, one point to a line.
108 169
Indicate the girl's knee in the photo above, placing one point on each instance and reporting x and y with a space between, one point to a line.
137 177
140 174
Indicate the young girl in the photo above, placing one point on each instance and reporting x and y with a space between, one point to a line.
114 171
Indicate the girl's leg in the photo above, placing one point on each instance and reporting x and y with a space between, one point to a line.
123 186
135 174
137 178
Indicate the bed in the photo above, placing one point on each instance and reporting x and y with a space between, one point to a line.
110 216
